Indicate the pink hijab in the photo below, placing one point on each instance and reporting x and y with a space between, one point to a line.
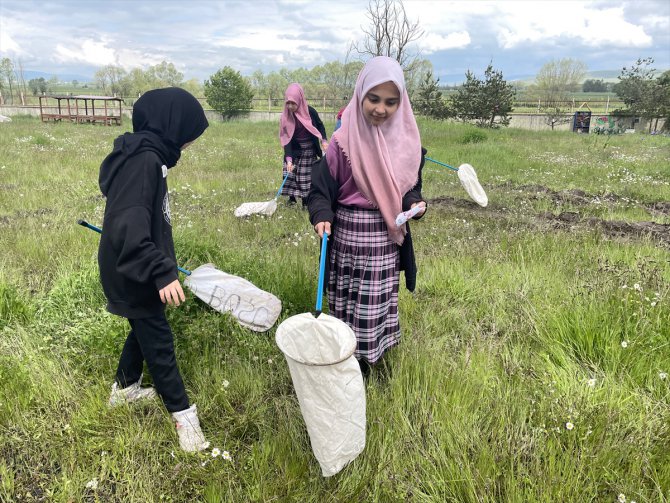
384 159
295 94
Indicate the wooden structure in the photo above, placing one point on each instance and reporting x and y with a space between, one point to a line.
90 109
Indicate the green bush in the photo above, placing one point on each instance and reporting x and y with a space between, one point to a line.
473 136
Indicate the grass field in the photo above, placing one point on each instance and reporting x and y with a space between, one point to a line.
535 354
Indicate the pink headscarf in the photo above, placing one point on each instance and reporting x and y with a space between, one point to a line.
295 94
384 159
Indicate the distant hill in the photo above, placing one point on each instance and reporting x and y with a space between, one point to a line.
604 74
62 77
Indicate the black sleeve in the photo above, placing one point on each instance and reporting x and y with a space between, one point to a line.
288 151
316 122
414 194
322 199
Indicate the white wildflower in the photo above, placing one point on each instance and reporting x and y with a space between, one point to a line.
216 452
225 383
591 382
637 287
621 498
92 484
624 344
226 455
569 426
663 375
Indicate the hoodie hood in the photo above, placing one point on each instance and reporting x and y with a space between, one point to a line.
164 120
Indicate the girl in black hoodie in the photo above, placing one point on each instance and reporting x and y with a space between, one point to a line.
138 267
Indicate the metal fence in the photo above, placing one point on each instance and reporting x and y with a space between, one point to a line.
332 104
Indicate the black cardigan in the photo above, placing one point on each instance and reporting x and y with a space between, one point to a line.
293 146
322 204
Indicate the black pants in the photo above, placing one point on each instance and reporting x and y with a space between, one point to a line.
151 339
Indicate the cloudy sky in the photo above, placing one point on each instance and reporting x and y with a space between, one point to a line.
77 37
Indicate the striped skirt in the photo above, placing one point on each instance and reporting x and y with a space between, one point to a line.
298 182
364 278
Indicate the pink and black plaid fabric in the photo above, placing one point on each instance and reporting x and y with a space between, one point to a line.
364 279
297 184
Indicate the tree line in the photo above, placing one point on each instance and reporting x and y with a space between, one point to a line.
486 101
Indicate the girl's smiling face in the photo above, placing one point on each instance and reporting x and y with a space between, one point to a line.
380 103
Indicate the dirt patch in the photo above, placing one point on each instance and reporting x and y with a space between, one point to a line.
452 202
614 228
7 220
579 197
662 207
570 219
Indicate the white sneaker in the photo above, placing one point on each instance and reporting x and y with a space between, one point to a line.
131 393
191 438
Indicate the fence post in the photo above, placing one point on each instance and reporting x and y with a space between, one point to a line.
607 107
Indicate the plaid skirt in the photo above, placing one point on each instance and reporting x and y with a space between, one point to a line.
298 182
364 271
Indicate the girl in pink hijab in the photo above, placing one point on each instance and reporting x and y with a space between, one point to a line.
302 134
370 174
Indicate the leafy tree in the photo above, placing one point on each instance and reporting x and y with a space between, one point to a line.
38 86
228 92
414 76
553 85
7 77
428 100
486 102
642 95
560 76
52 83
193 86
594 86
165 74
110 78
137 82
664 110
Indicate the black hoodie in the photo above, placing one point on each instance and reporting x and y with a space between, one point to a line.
136 254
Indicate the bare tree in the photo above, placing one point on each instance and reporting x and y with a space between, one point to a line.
21 81
390 33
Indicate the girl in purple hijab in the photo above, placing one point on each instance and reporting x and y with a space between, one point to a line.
302 136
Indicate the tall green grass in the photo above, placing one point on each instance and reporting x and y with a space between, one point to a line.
534 358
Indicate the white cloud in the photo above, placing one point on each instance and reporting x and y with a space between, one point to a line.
7 44
100 54
88 51
580 23
270 40
270 34
433 42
